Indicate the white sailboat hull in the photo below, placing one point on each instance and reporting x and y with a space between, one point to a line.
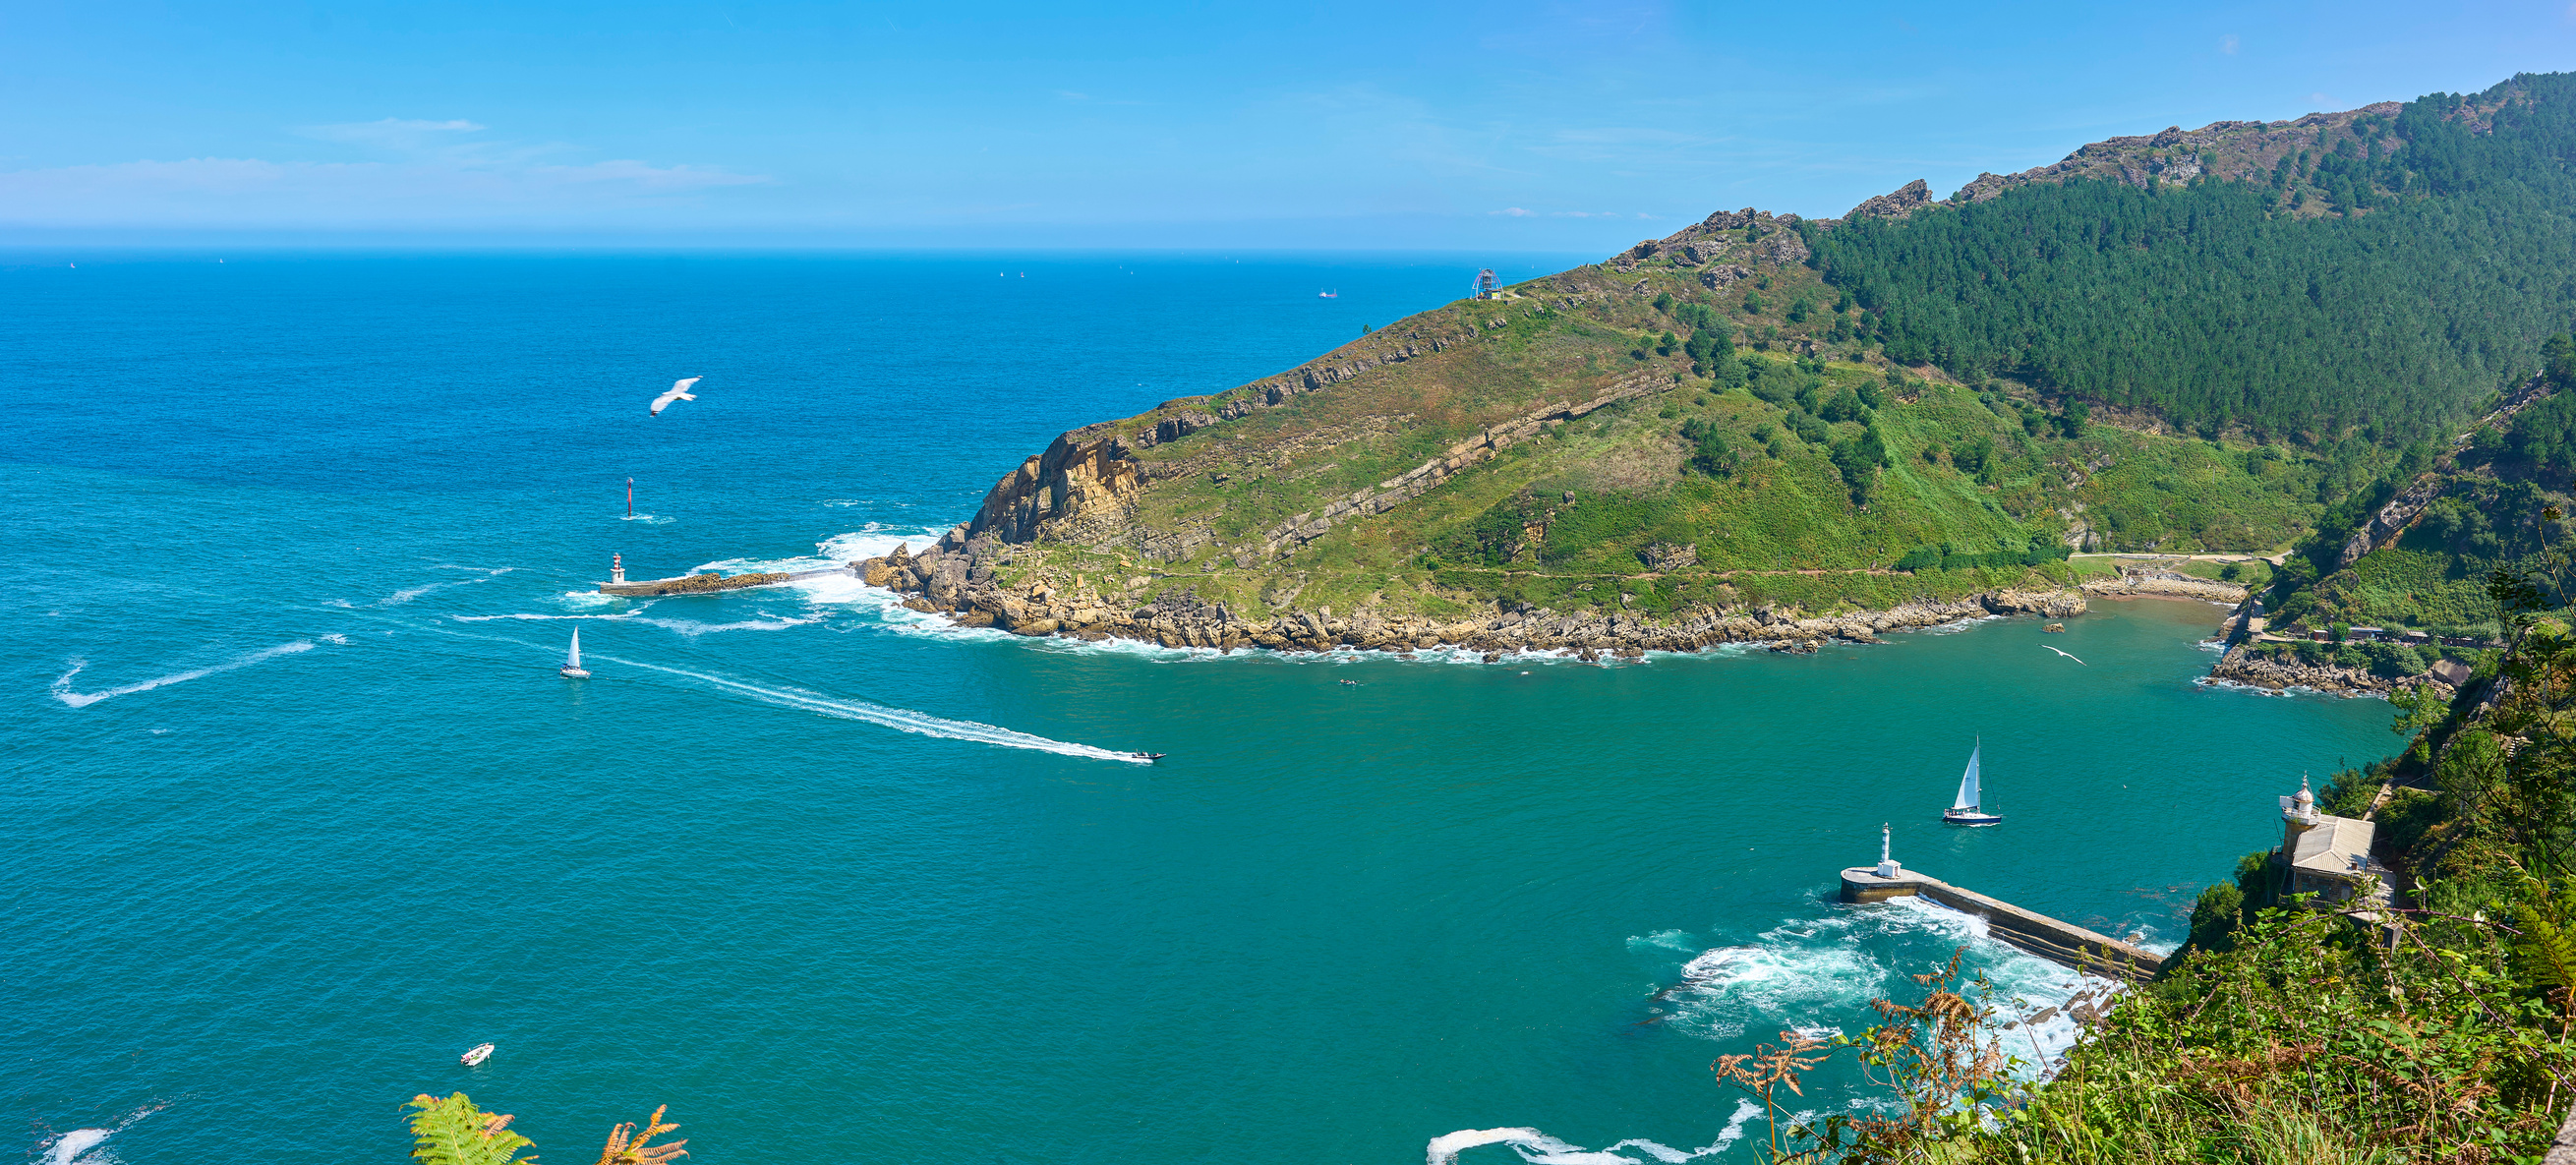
574 673
1964 811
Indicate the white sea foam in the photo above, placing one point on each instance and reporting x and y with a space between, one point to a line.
1538 1148
899 719
337 638
532 617
88 1146
647 519
1677 940
77 1146
404 596
692 628
63 683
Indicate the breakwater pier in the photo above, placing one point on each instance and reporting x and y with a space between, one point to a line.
703 583
2038 934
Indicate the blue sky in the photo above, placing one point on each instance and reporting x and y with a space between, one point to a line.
1580 127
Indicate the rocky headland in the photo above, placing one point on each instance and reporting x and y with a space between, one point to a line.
2243 665
958 578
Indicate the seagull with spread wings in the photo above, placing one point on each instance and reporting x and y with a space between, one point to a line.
679 391
2067 656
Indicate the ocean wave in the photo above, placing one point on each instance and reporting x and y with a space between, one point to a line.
62 686
1803 972
899 719
647 519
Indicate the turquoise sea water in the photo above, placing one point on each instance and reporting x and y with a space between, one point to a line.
296 808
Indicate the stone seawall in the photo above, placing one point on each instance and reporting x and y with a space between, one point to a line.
2038 934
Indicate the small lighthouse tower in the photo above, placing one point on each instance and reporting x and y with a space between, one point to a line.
1886 864
617 568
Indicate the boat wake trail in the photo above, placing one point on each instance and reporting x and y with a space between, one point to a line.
85 1146
63 683
899 719
1541 1149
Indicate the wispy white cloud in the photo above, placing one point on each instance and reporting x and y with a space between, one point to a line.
1512 211
2228 44
389 130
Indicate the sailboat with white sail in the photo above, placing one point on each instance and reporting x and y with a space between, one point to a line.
572 663
1966 810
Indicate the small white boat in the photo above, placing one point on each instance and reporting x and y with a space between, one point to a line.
1328 295
475 1055
1966 811
572 664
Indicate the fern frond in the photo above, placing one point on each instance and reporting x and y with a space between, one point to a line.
625 1147
451 1131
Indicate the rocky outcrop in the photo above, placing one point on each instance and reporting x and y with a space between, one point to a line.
960 584
1902 201
2243 665
2165 584
2392 519
1667 556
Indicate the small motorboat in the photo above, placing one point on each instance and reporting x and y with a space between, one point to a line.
572 663
1350 683
1328 295
1146 756
1966 810
475 1055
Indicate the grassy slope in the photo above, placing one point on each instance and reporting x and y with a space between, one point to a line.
1785 508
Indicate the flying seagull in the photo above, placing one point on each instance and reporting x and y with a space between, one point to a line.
679 391
2067 656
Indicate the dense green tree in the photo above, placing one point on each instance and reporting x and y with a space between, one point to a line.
2203 303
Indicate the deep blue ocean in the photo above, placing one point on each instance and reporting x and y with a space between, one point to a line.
296 808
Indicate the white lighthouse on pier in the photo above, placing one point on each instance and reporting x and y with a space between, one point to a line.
617 568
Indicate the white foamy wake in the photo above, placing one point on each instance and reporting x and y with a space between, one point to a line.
63 683
404 596
1541 1149
86 1146
899 719
647 519
692 628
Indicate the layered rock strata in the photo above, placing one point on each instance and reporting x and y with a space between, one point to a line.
2165 584
959 582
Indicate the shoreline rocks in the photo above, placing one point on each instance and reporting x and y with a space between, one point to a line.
2166 584
2243 665
959 583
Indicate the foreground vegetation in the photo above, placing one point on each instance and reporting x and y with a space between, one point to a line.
2440 1029
450 1130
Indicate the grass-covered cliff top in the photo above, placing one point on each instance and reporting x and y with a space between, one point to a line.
2193 341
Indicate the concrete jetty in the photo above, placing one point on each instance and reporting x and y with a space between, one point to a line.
2048 938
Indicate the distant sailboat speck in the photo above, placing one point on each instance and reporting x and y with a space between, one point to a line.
572 663
1966 811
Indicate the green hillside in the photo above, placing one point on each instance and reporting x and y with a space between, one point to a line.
2213 340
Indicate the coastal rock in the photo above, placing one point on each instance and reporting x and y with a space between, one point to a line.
1664 556
2243 665
2166 584
1180 618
